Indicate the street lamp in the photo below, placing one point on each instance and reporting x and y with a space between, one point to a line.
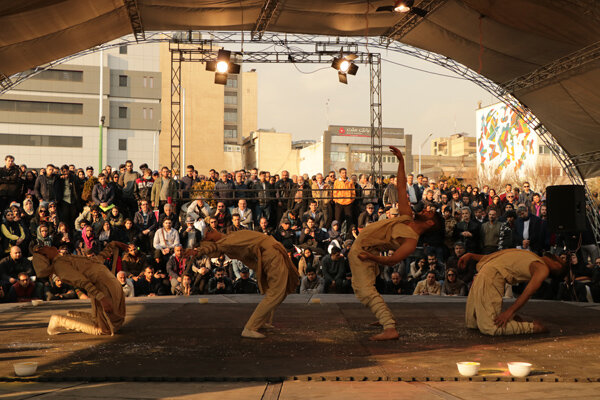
421 149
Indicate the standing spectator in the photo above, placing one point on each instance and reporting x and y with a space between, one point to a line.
146 223
263 191
302 194
127 181
44 185
188 181
164 190
414 193
283 192
343 196
468 230
508 234
143 186
314 213
529 231
526 196
321 193
390 195
66 196
11 185
490 233
225 190
240 187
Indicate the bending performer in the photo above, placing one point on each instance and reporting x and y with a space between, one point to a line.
399 235
275 273
512 266
90 274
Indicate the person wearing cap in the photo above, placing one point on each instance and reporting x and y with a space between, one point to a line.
189 235
100 284
244 284
275 274
396 235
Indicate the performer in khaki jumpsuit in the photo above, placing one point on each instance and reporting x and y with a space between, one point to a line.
512 266
399 235
101 285
275 273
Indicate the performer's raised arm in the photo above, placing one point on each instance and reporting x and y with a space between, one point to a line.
403 204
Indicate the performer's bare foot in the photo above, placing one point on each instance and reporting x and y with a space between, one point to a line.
247 333
53 327
376 323
538 327
387 334
267 325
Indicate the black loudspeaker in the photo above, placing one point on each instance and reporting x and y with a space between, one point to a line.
566 208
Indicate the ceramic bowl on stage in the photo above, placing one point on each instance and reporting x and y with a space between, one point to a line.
519 369
36 303
468 368
25 368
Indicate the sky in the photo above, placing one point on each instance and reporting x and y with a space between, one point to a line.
305 103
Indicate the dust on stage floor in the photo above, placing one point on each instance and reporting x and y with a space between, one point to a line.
176 338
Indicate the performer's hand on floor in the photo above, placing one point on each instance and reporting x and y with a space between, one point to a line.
107 305
503 318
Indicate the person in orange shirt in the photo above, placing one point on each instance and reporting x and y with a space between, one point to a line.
343 197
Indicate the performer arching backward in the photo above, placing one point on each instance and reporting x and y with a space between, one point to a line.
276 275
511 266
399 235
90 274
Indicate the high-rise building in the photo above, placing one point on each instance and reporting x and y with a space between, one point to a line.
54 117
216 118
457 145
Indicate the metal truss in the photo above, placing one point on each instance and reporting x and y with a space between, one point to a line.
567 162
176 59
135 19
549 72
409 21
376 120
269 11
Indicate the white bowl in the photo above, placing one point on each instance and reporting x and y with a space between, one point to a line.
468 368
36 303
519 369
25 368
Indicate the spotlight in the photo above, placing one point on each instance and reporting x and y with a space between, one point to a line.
404 6
344 66
222 66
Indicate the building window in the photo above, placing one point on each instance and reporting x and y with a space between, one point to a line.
232 148
41 107
151 82
122 144
231 116
123 80
145 81
337 156
151 113
60 75
230 99
231 83
11 139
123 49
230 132
145 113
122 112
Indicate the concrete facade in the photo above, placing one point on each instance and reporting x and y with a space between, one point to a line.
271 151
216 119
456 145
53 117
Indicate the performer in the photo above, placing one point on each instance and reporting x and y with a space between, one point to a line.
512 266
90 274
399 235
275 273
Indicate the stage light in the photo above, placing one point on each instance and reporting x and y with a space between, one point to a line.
403 6
344 66
222 66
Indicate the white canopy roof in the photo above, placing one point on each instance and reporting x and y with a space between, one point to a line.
549 49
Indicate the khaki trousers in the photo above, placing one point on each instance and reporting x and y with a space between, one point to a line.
363 283
485 303
78 324
275 270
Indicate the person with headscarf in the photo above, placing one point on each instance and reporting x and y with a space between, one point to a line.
453 286
100 284
13 233
88 243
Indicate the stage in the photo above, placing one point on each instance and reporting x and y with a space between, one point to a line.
177 339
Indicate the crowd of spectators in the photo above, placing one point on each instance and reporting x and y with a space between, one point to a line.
160 215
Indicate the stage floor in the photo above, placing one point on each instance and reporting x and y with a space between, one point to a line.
179 339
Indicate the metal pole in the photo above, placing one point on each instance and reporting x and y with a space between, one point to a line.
182 132
100 111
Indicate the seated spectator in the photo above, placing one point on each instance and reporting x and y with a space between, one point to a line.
311 283
201 271
235 224
428 286
106 235
150 285
185 287
14 264
219 283
467 230
42 217
5 292
418 269
13 233
453 286
176 266
314 213
334 272
367 217
126 284
313 237
165 240
197 209
116 218
190 237
435 266
129 233
57 290
285 235
222 216
62 237
146 223
23 290
244 284
245 214
169 213
398 285
307 260
103 194
133 262
335 234
263 226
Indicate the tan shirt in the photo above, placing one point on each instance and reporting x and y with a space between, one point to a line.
512 264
